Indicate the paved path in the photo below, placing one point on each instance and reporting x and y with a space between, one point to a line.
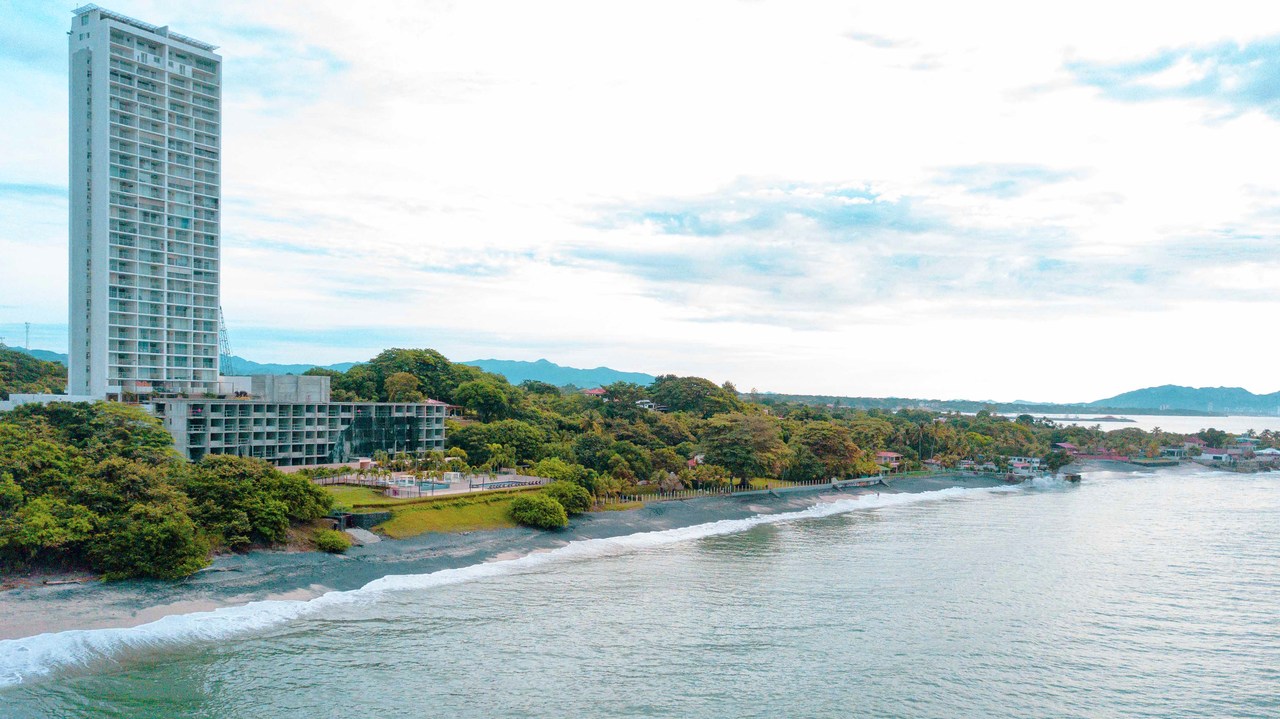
363 536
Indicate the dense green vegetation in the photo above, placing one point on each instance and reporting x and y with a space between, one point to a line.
99 486
540 511
331 540
447 513
573 497
23 374
707 435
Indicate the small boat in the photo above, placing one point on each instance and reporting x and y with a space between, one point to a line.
1071 477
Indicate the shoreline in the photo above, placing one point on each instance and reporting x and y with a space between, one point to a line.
264 575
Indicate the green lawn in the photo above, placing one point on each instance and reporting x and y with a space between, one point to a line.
410 517
459 515
764 483
359 496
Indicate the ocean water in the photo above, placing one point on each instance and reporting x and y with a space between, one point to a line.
1146 594
1188 424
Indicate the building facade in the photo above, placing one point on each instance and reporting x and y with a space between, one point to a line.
145 263
290 421
145 189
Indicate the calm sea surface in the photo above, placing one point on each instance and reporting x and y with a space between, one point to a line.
1235 424
1130 595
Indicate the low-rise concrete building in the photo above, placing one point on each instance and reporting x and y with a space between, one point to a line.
1215 454
291 421
16 400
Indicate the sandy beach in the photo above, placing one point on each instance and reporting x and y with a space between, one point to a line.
270 575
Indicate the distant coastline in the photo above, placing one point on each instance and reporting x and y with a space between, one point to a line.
1166 400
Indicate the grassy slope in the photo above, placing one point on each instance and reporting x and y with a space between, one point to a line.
410 517
454 516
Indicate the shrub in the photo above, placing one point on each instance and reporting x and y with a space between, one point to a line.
573 497
539 510
241 499
331 540
152 540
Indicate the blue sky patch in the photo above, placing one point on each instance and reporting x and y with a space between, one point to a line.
1240 77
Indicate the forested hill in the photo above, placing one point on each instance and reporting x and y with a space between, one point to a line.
517 371
22 373
241 366
1229 400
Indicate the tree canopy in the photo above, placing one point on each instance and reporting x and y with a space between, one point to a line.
21 373
99 486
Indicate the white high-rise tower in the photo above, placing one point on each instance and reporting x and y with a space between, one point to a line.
146 135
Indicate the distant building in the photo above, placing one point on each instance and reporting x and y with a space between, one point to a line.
1068 447
1269 456
1022 469
889 459
597 392
1215 454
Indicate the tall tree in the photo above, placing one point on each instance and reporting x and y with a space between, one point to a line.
484 397
694 395
746 445
402 387
832 445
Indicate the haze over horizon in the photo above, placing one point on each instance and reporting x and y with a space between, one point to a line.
916 200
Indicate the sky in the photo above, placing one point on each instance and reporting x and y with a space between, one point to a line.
1039 201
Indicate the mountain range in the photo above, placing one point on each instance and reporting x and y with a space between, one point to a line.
516 371
240 366
1227 400
1165 398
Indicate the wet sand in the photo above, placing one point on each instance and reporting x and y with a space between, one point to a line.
267 575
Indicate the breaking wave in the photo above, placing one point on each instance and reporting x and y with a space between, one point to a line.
28 658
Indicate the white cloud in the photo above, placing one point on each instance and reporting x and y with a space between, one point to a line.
445 188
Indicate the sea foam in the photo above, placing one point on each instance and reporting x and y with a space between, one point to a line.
28 658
